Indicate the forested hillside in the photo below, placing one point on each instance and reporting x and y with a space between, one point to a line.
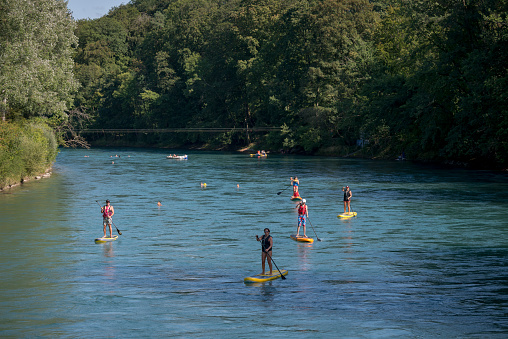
427 78
423 78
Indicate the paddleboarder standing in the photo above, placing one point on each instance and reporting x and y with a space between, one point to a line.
266 248
303 211
347 199
295 182
107 213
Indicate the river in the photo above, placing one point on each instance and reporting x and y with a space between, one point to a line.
426 256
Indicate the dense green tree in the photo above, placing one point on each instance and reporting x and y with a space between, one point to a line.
435 93
318 56
36 65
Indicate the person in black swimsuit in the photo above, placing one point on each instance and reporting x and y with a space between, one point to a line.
347 199
266 248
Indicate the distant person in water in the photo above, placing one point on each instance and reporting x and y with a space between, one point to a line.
107 214
303 212
347 199
266 249
159 203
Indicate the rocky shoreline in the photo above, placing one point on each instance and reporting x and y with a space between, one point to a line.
46 174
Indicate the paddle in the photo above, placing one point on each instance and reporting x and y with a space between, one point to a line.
351 208
313 229
111 220
281 275
278 193
116 228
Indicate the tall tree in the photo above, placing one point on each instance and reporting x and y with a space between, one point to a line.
36 67
317 60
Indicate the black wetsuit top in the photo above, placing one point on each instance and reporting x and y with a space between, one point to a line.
265 244
347 195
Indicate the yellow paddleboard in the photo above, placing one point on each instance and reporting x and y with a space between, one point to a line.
105 239
301 238
265 277
293 198
347 215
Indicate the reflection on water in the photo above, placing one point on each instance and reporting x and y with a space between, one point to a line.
109 266
347 238
303 256
425 257
268 292
108 250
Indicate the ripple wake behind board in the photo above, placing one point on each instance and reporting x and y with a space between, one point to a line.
106 239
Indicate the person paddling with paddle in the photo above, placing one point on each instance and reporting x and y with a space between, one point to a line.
295 182
266 249
107 213
303 212
347 199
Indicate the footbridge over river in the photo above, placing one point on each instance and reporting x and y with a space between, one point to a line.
179 130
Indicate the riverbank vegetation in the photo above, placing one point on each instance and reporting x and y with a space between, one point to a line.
427 79
26 150
37 84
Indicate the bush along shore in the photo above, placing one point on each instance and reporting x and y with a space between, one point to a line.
27 151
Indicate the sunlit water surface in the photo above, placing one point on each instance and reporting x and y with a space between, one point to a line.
425 257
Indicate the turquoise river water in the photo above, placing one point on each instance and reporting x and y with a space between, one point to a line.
426 257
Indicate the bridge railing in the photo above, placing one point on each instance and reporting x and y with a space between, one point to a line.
177 130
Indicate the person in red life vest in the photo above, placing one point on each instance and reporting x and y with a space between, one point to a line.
107 213
295 182
303 211
266 247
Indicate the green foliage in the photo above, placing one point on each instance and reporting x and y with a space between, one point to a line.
439 81
425 77
10 161
36 46
310 139
26 149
